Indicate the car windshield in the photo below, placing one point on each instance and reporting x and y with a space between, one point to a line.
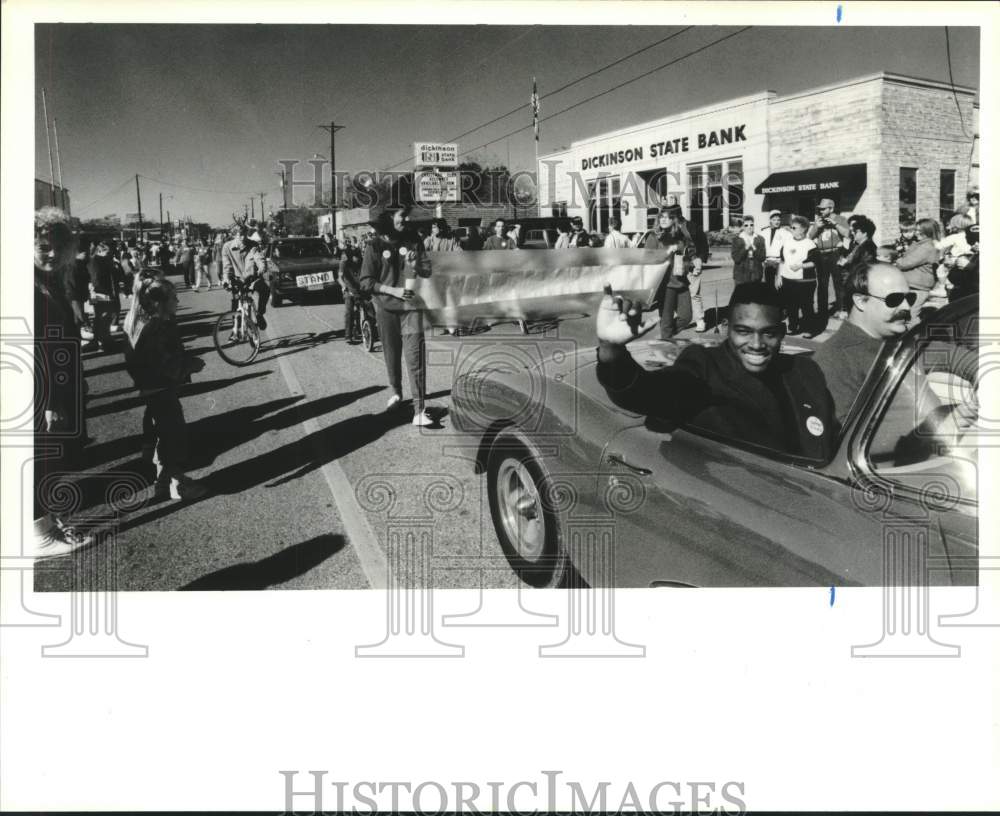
300 249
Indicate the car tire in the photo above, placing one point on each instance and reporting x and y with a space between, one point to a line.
528 528
277 300
367 334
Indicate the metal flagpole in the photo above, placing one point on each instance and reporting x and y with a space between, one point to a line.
48 142
534 120
62 188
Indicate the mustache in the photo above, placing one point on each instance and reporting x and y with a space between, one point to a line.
902 314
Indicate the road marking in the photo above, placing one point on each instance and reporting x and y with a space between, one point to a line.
359 531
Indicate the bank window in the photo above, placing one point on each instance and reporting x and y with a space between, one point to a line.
733 183
715 192
656 194
907 195
605 204
947 196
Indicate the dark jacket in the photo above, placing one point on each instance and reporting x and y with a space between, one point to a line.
845 360
919 263
748 263
157 361
384 264
58 376
786 409
863 253
102 274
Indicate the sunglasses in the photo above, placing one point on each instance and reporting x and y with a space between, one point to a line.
894 299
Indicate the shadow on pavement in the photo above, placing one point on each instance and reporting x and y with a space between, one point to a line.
275 569
190 390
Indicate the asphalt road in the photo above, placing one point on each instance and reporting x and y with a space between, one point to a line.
309 476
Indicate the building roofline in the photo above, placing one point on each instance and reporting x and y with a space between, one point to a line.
772 98
705 110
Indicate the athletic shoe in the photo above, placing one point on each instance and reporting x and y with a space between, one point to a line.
86 334
699 326
393 402
179 488
421 419
54 538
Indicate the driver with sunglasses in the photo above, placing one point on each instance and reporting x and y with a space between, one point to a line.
879 303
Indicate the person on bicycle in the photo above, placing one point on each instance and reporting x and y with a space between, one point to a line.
243 260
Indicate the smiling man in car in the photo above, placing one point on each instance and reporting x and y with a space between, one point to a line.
743 390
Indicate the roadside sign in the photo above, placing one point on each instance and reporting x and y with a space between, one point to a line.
435 154
434 187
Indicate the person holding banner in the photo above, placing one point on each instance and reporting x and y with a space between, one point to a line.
392 260
673 293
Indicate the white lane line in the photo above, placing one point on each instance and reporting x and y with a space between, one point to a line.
359 531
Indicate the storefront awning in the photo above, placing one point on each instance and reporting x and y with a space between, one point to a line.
844 183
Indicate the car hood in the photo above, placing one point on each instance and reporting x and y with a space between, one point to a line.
299 266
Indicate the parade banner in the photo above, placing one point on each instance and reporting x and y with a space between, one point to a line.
532 284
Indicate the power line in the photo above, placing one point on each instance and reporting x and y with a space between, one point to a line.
562 88
198 189
954 93
612 89
106 195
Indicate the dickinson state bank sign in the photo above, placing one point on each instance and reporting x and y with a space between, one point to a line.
712 138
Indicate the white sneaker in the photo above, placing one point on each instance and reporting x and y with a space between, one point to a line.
394 400
699 326
86 334
52 539
422 419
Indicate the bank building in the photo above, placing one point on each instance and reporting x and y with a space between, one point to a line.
888 146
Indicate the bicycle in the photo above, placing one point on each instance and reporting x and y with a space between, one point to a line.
236 336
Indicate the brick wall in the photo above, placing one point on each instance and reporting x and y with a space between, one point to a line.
922 129
836 126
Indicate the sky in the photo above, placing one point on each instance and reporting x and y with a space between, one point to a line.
204 112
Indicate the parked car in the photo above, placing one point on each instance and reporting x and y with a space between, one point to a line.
565 466
300 264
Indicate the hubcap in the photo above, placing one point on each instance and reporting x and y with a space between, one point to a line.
521 509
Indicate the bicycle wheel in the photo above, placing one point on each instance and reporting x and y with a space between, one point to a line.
236 339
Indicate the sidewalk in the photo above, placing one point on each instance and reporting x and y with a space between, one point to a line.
717 285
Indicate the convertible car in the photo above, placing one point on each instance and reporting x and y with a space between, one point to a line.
580 489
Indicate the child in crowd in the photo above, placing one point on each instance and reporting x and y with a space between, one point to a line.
157 362
956 252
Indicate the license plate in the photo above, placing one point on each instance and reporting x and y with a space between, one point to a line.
313 279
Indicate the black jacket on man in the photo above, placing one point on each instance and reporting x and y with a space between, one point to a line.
787 408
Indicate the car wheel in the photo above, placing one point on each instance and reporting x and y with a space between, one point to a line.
527 527
368 334
276 299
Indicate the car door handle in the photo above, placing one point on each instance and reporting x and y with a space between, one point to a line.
616 458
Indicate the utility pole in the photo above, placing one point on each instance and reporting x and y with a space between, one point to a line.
161 216
48 142
261 206
253 215
284 199
138 203
55 134
333 127
246 212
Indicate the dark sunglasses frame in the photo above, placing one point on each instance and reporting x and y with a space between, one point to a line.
894 299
